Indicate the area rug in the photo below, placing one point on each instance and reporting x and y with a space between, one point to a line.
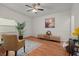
29 46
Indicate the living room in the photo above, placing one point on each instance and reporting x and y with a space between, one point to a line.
65 20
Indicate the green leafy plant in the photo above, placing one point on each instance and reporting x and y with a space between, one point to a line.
20 27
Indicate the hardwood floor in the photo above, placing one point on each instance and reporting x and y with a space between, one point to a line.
48 48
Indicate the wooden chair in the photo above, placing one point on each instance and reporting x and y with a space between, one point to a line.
11 43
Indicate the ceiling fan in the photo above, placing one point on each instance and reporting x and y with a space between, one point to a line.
35 7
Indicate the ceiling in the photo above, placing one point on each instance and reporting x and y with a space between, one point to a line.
49 8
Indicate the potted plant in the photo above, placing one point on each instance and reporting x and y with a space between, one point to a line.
20 28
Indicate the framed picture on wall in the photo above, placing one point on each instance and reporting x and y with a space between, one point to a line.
50 22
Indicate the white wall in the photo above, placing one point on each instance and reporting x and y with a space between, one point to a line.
62 25
12 15
75 13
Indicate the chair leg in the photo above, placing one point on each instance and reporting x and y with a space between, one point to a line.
24 48
15 53
6 53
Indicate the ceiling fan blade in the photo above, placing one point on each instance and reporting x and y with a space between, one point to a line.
33 5
41 9
29 10
28 6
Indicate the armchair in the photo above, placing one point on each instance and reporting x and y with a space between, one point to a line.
11 43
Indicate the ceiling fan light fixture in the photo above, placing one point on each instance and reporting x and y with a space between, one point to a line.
34 10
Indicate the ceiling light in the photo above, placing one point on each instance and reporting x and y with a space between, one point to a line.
34 10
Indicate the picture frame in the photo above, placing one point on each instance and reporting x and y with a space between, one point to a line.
50 22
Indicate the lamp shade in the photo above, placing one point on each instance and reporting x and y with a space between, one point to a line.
76 32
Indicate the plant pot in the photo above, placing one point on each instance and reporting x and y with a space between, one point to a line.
20 37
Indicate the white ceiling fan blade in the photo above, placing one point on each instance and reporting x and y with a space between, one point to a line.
29 9
33 5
